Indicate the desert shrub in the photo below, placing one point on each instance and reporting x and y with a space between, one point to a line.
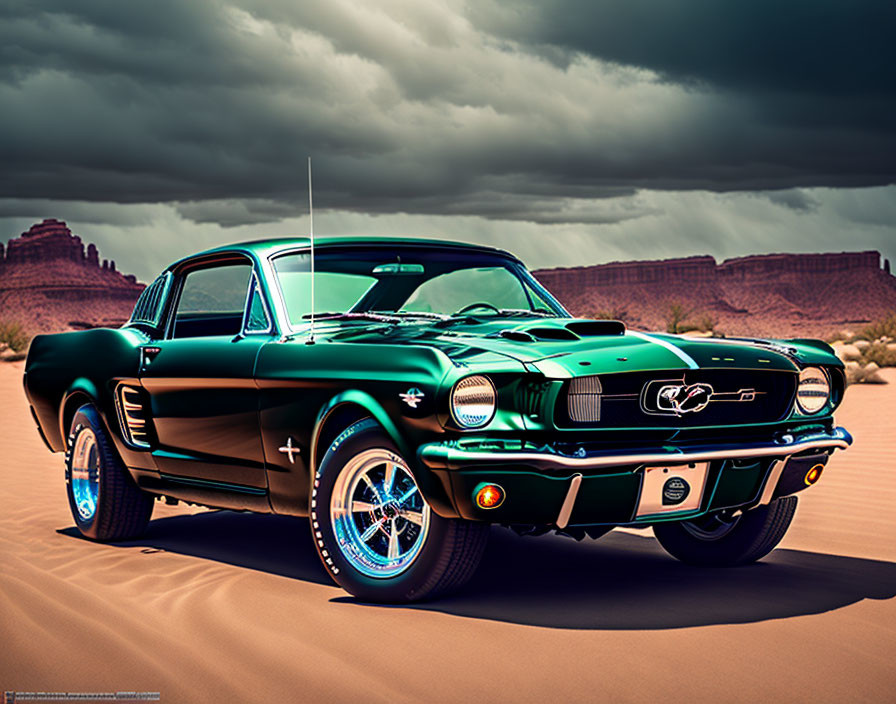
676 316
707 322
885 327
14 335
614 313
881 354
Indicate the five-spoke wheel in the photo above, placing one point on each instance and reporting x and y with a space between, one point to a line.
374 530
379 517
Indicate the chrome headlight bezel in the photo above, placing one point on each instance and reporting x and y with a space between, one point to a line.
470 386
818 377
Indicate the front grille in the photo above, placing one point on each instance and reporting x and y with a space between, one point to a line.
583 399
133 416
629 400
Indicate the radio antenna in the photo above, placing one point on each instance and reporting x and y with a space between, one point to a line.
310 340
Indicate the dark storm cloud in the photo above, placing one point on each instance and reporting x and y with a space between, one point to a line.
817 46
417 107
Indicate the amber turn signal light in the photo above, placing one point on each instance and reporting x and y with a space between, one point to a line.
489 496
814 474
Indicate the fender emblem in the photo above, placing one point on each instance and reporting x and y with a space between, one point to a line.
412 397
290 450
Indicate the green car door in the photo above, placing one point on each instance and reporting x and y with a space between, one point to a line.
200 378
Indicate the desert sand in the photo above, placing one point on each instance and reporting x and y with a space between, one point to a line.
215 606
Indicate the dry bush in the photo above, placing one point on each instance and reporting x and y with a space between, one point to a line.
14 335
676 316
615 313
881 353
885 327
707 323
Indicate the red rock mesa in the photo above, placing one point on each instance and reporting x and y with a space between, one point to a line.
768 294
49 282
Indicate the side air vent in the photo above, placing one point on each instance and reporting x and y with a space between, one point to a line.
583 399
133 416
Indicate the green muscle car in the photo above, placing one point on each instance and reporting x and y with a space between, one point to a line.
432 389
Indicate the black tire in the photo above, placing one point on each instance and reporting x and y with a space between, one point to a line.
448 550
121 510
734 541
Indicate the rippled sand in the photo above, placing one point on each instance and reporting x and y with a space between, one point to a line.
217 606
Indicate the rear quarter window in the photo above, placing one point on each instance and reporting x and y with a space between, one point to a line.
149 307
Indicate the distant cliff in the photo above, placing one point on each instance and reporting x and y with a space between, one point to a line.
767 294
50 282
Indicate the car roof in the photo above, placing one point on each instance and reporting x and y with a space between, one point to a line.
266 247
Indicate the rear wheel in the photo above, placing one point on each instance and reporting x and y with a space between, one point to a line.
374 531
722 539
105 502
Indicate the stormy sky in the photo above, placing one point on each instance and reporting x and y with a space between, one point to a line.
568 131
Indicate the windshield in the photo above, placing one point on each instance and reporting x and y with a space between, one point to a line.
421 281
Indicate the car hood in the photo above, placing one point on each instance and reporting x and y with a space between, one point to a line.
567 347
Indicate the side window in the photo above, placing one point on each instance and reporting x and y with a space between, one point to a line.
257 320
211 301
148 309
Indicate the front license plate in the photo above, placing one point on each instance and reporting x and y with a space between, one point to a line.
672 488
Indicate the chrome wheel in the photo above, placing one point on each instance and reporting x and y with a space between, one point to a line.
380 520
85 474
713 526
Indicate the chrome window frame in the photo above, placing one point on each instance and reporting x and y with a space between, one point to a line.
255 283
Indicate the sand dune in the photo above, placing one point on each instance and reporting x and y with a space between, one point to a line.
214 606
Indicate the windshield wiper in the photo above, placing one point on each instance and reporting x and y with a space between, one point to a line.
510 312
363 315
422 314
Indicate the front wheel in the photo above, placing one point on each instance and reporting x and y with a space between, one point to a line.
374 531
722 539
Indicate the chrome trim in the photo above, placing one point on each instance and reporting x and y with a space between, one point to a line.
273 286
569 501
255 283
774 476
438 455
134 431
290 450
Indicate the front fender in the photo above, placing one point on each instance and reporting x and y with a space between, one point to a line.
363 400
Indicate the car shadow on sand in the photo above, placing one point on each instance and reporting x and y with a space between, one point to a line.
624 581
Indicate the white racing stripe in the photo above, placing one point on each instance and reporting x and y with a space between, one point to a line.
669 346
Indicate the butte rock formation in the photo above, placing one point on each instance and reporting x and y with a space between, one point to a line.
772 294
50 283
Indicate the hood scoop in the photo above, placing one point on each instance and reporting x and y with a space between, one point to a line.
569 332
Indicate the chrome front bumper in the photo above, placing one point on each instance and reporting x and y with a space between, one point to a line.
460 456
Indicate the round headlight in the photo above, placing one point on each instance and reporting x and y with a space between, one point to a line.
813 391
473 401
